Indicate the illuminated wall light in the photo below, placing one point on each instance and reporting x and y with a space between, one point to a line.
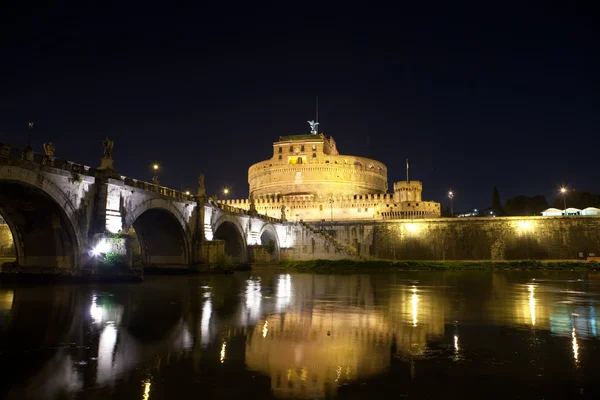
413 228
525 226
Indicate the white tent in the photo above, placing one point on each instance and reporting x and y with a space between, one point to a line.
590 211
552 212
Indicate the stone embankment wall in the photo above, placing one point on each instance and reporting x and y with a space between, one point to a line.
7 247
508 238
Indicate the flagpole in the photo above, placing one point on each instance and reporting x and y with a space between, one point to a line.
407 170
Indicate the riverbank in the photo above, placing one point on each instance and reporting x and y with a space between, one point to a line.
453 265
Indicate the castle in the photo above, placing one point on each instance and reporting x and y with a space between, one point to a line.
308 179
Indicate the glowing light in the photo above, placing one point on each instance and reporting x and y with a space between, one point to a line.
147 385
339 373
155 167
413 228
525 226
456 343
265 329
414 301
532 304
225 191
563 190
223 347
187 192
102 247
575 346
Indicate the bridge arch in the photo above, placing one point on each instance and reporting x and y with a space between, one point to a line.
268 232
162 231
228 229
45 225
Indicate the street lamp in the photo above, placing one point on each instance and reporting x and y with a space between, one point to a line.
225 192
451 196
563 190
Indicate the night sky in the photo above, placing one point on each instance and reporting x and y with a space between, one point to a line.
473 97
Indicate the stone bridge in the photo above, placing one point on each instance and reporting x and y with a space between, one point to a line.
63 214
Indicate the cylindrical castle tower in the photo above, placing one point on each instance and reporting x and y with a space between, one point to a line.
407 191
311 165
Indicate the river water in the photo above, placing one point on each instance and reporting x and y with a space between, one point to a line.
267 334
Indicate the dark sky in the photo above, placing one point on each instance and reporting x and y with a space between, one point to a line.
473 97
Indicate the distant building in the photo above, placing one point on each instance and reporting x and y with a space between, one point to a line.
555 212
486 212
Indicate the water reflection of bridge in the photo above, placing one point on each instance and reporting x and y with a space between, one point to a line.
307 333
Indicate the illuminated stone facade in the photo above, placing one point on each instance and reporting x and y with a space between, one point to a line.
312 181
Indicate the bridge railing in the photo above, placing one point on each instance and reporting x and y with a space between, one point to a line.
31 156
19 154
236 210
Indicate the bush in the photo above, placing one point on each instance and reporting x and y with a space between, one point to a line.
112 259
270 247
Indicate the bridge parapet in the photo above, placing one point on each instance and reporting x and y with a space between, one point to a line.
17 155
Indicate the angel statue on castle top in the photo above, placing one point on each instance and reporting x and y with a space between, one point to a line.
313 126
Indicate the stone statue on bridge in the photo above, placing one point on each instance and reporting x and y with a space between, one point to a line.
283 212
201 188
49 149
108 148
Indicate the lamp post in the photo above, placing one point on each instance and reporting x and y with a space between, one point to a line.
451 196
563 190
225 192
331 201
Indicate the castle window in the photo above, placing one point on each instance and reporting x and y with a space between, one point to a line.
299 160
314 155
302 148
359 210
280 149
326 161
366 209
314 147
291 149
280 156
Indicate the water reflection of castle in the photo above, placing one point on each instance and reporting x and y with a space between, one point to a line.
311 350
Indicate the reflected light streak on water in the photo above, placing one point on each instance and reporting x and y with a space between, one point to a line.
265 329
456 343
253 301
223 347
532 304
106 350
205 322
284 291
147 385
575 346
414 301
96 311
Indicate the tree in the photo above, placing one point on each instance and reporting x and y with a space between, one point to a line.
496 204
525 206
446 211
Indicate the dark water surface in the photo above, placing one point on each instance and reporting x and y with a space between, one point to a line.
267 335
